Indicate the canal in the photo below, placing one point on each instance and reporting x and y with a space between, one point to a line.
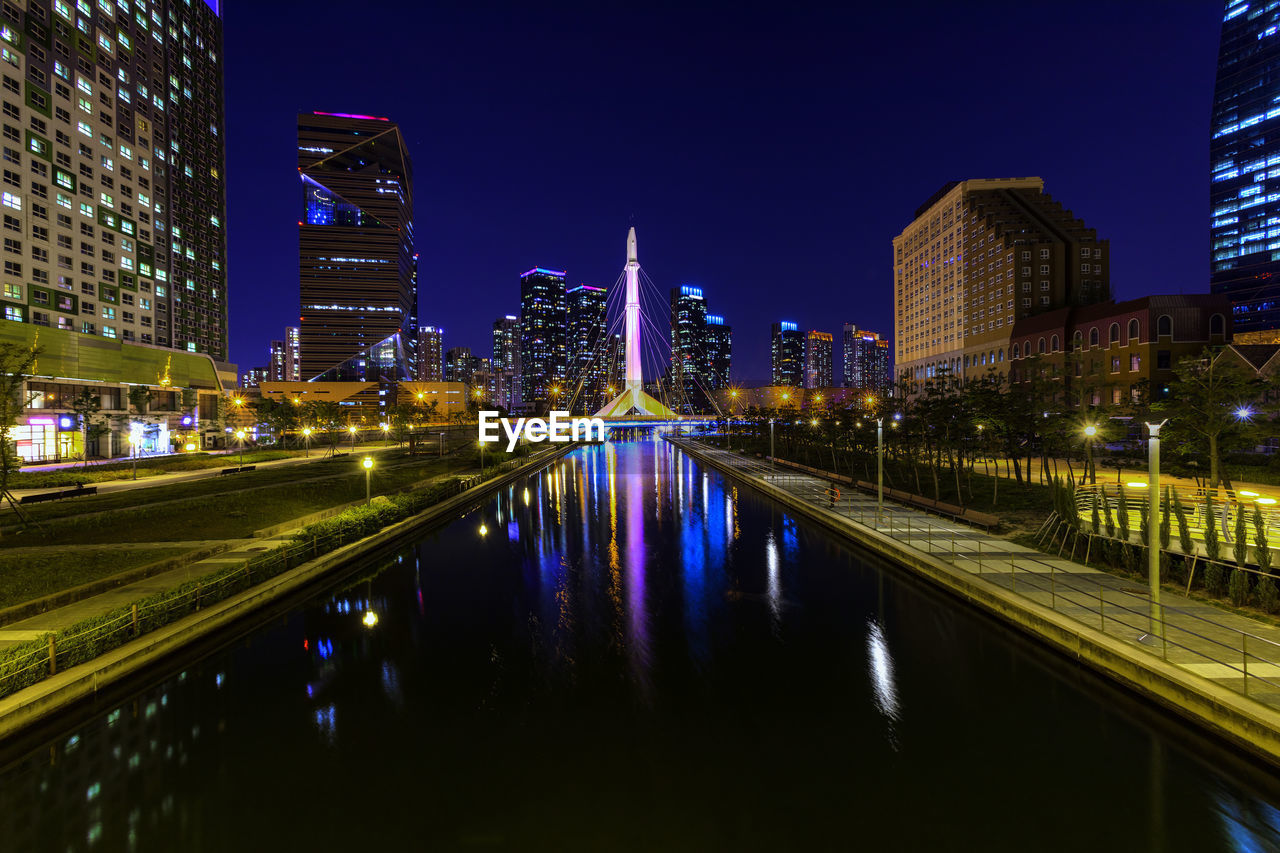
627 651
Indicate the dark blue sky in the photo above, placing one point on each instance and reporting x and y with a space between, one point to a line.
767 154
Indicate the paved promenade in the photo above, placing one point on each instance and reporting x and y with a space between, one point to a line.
1234 651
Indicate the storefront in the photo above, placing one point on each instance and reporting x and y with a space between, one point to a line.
48 438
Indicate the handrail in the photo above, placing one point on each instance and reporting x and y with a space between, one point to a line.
1099 598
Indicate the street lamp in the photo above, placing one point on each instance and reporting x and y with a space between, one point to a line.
1244 413
1089 432
352 429
879 468
306 439
441 445
133 445
385 428
1153 526
368 468
240 436
771 465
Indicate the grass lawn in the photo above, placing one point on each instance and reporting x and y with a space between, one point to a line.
148 467
225 508
32 575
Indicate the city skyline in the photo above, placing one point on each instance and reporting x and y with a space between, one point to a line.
735 230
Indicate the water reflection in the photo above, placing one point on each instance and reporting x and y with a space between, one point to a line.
648 659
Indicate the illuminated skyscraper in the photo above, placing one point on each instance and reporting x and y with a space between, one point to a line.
866 360
719 346
1244 163
586 374
430 354
543 346
275 364
505 387
356 257
117 121
292 351
787 352
817 359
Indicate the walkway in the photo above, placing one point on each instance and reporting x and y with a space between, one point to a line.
1234 651
145 482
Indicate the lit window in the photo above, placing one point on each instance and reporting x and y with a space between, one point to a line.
11 200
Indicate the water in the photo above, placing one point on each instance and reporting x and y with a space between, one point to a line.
634 654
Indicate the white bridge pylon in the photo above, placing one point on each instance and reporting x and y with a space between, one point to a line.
633 400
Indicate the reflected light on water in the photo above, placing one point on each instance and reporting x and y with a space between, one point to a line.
880 665
775 579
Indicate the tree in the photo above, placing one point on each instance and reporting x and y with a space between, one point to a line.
1203 400
87 406
16 364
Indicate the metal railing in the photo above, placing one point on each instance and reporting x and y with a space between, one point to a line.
35 660
1240 659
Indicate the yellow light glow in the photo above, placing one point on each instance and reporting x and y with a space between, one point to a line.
1091 430
386 427
786 396
351 430
817 398
239 434
238 401
370 619
306 431
1136 484
813 422
296 401
420 395
871 399
733 393
1266 501
1249 494
484 531
367 463
190 446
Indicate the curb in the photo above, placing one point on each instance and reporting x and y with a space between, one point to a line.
1248 725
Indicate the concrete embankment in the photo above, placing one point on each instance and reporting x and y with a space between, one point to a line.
1244 723
36 704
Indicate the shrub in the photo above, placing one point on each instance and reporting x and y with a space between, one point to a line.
1268 595
1212 545
1240 547
1095 519
1238 588
1165 519
1184 530
1122 510
1106 510
1215 580
1262 547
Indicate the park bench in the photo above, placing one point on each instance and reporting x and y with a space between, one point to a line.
78 491
236 470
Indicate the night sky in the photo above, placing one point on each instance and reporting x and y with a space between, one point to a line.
769 155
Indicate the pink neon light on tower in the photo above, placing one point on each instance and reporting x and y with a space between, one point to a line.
632 317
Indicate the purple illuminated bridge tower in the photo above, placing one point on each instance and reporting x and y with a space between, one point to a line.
633 401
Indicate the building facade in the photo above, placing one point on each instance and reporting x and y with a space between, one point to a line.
929 279
356 258
292 354
430 365
865 359
1113 354
543 338
504 390
786 352
1244 164
719 347
127 132
817 360
586 372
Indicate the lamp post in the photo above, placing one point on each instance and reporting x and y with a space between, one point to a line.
240 437
385 428
1153 525
352 429
133 445
367 462
771 444
879 468
441 445
1089 432
306 440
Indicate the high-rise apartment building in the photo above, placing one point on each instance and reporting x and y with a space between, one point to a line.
787 354
504 389
587 337
292 350
866 360
817 360
113 136
978 255
1244 164
458 365
689 362
543 345
275 364
430 354
719 346
356 258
